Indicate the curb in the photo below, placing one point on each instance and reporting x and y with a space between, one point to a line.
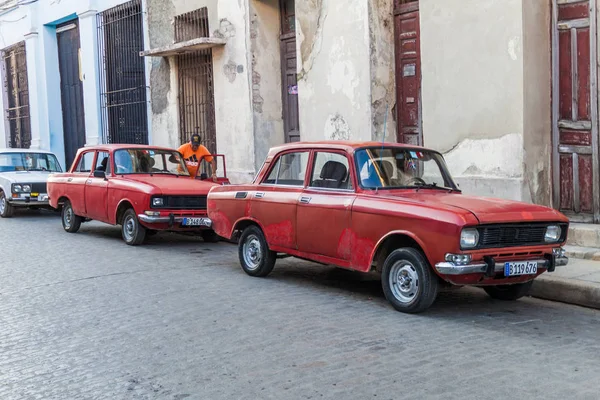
570 291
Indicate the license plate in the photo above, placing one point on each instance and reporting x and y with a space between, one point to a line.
35 194
196 222
520 268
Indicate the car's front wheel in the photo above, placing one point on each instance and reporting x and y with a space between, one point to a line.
408 282
70 222
6 209
508 292
255 257
132 231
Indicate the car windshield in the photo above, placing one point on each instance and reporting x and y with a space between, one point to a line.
27 161
149 161
398 168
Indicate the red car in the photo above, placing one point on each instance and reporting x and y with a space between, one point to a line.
144 189
390 208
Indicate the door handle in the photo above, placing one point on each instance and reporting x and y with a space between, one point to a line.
88 182
70 180
259 195
304 200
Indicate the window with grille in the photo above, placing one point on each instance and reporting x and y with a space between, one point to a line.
122 74
16 89
196 92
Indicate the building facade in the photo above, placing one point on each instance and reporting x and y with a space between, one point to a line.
505 89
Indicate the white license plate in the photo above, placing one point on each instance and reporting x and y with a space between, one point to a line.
520 268
196 222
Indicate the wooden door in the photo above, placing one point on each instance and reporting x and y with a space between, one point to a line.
71 88
575 111
289 84
408 72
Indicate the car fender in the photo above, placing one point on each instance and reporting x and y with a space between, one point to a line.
400 232
244 219
114 214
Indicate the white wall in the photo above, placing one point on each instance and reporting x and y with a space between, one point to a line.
334 78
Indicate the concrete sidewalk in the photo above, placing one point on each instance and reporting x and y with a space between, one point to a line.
576 283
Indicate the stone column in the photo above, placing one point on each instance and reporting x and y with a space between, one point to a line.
90 72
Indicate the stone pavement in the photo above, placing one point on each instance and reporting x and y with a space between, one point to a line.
83 316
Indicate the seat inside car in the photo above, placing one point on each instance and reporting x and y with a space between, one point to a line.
334 175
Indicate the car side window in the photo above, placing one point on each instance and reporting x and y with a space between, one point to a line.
331 171
85 162
103 162
289 170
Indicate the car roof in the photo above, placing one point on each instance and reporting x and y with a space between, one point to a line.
125 146
346 145
13 150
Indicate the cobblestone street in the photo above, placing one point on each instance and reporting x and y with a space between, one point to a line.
85 316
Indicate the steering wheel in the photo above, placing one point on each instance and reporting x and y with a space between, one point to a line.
415 179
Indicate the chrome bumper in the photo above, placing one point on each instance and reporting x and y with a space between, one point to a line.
171 220
449 268
41 200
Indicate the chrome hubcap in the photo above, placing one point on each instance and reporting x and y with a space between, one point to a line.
404 281
2 204
252 252
129 228
68 217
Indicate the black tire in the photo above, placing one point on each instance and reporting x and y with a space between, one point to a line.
210 236
508 292
419 287
132 231
255 257
70 221
6 209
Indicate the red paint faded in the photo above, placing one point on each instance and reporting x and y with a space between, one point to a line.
347 228
99 199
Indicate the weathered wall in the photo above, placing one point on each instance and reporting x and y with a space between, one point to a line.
233 89
537 102
383 86
266 77
473 91
334 80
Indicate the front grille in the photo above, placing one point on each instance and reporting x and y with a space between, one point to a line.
512 235
185 202
38 187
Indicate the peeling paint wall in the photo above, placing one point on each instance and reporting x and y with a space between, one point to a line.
334 79
486 88
266 77
383 80
232 65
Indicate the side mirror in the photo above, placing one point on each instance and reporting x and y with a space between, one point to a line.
99 174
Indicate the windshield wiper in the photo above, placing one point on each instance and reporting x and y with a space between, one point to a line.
166 173
432 186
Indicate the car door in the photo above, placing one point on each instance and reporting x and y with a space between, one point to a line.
96 189
77 181
276 198
325 207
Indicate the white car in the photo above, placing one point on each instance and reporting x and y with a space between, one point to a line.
23 175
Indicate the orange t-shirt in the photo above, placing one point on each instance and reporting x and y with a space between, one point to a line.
192 158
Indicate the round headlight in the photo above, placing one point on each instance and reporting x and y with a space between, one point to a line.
157 202
469 238
26 188
17 188
552 234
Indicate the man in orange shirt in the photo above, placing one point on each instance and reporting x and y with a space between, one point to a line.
193 153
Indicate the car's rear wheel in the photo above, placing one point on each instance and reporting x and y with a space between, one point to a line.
210 236
408 282
255 257
70 221
6 209
508 292
132 231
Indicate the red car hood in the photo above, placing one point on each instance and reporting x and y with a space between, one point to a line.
486 210
172 185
